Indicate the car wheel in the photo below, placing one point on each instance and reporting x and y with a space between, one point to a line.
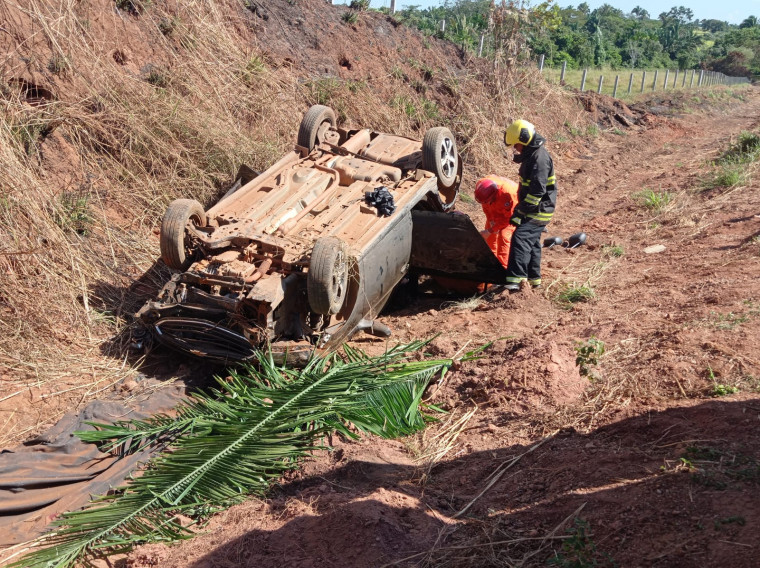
327 280
176 248
439 155
314 124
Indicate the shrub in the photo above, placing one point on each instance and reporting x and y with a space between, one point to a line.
587 354
350 17
73 213
359 5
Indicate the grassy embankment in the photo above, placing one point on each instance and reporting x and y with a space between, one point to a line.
86 174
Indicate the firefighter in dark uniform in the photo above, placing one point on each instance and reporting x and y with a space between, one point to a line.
537 197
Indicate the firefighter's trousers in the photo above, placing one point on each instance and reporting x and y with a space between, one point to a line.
525 254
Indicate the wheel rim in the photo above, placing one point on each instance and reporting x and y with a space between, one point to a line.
192 223
448 157
339 279
320 134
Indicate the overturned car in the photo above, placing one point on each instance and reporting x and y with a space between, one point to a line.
305 254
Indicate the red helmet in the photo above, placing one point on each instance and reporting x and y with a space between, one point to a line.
485 190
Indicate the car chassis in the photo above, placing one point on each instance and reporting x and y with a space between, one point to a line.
298 259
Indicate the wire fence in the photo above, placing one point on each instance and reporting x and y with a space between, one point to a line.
638 81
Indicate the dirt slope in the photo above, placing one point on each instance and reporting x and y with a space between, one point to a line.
643 462
108 113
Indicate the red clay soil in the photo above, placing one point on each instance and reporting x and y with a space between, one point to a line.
643 464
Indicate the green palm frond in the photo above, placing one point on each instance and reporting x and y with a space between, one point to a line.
237 440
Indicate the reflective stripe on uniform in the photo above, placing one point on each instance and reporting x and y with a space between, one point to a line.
514 279
515 220
540 216
534 281
531 199
551 180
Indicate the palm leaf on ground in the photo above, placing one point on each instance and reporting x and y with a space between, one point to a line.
237 440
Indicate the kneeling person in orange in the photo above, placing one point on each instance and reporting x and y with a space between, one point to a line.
498 197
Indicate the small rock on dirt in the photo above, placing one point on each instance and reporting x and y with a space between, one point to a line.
654 249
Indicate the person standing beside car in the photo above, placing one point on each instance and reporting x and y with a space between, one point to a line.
498 198
537 198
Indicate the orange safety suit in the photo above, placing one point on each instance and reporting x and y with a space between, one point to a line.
498 230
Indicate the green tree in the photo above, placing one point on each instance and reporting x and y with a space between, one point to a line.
749 22
714 26
640 13
678 37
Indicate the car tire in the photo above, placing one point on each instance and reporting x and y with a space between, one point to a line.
312 122
439 155
176 249
327 280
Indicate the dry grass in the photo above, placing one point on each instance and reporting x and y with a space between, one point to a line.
85 178
431 445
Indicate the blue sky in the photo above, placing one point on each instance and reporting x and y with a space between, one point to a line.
733 11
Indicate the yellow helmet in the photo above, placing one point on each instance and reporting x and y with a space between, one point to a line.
519 132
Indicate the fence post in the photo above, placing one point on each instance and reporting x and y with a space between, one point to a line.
614 89
480 48
643 78
601 80
583 79
675 80
541 63
701 77
630 84
393 7
562 73
443 26
665 82
654 83
683 81
691 81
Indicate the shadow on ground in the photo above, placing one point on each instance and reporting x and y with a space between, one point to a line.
677 488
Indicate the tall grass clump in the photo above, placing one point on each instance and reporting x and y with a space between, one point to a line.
571 294
652 200
731 168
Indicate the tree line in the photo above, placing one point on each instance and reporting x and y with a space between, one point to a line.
606 36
